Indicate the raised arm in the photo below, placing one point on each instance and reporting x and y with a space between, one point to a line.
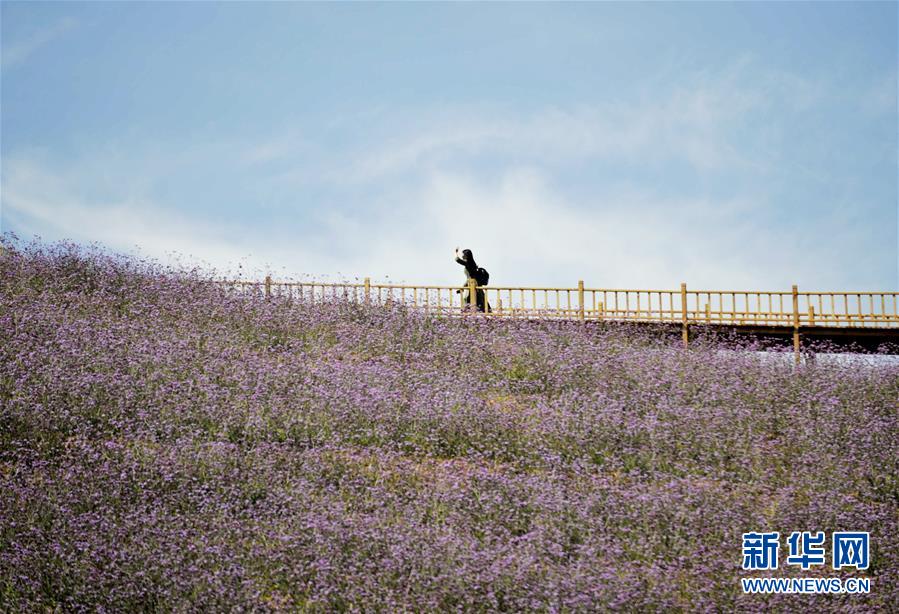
458 254
466 259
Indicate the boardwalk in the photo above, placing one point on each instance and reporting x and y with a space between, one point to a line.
865 319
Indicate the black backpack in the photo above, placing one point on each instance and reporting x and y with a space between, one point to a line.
482 276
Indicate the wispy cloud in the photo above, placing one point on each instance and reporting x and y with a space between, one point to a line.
710 121
16 52
689 124
881 97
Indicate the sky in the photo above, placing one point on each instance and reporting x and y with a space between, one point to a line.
628 145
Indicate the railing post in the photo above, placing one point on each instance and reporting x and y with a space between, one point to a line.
367 291
796 323
268 286
600 310
472 292
685 332
811 315
580 300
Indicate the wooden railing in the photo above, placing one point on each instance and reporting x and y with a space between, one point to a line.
753 308
730 307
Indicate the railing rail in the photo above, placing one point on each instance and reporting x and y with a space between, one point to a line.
684 306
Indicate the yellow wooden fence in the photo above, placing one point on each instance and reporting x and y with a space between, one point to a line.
733 307
790 308
753 308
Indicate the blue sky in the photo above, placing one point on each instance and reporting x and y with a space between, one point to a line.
749 145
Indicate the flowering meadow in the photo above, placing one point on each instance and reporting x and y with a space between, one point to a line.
168 444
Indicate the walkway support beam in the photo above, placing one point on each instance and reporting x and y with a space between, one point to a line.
796 323
580 300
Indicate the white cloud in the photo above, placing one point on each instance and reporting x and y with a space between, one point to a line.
50 205
520 228
18 51
525 233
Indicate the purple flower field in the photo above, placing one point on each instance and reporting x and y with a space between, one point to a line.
168 445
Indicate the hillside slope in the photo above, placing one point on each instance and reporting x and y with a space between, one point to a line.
167 445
